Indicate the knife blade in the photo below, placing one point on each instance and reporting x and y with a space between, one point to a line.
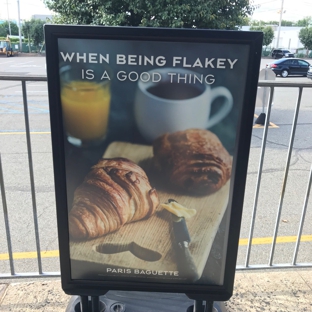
185 261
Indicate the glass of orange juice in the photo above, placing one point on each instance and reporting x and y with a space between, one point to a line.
85 104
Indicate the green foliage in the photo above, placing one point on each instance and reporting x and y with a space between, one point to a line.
265 52
33 30
4 29
300 55
305 36
214 14
265 23
287 23
268 33
305 22
14 40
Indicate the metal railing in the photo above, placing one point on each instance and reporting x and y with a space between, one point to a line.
272 85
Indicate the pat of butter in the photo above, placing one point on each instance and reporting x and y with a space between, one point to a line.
179 210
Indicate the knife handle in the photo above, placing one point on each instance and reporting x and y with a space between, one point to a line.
181 233
186 265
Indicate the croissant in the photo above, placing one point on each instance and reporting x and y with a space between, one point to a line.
115 192
194 160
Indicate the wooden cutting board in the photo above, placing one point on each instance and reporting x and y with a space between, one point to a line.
148 244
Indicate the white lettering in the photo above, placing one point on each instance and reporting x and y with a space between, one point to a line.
147 75
67 56
93 58
132 60
104 58
121 76
156 77
89 74
82 57
209 63
171 76
160 61
135 74
176 60
232 63
121 59
184 63
182 78
198 63
105 76
209 79
220 63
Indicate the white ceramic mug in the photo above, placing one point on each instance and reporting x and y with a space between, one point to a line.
169 100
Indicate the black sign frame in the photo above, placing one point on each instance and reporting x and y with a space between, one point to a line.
195 291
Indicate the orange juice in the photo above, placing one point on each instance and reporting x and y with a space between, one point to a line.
85 107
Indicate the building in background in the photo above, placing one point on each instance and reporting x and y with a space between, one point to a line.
289 37
43 17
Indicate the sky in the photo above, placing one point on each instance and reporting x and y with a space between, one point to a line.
293 10
27 9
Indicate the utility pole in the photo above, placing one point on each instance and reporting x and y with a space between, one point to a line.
279 25
19 26
8 18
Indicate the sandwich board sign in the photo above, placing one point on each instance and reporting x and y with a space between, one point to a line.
150 132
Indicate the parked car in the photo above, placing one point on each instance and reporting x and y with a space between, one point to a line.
279 53
289 66
309 73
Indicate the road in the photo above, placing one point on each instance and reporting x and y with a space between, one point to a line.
16 173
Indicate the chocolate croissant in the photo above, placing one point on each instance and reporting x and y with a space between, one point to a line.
115 192
194 160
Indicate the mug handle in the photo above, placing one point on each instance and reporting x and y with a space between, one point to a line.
225 108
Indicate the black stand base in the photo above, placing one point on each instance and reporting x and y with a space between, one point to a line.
126 301
261 119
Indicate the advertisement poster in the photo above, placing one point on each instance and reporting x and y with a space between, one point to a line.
150 132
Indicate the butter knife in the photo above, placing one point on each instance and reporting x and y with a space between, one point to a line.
185 261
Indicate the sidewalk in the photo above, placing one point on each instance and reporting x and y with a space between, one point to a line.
279 291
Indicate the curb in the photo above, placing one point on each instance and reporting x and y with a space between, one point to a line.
29 54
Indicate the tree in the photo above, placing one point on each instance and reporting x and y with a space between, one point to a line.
33 30
5 29
305 22
26 29
214 14
305 36
283 23
268 33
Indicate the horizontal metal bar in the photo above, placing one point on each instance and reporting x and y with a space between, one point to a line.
23 78
261 83
238 268
274 266
30 275
273 83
